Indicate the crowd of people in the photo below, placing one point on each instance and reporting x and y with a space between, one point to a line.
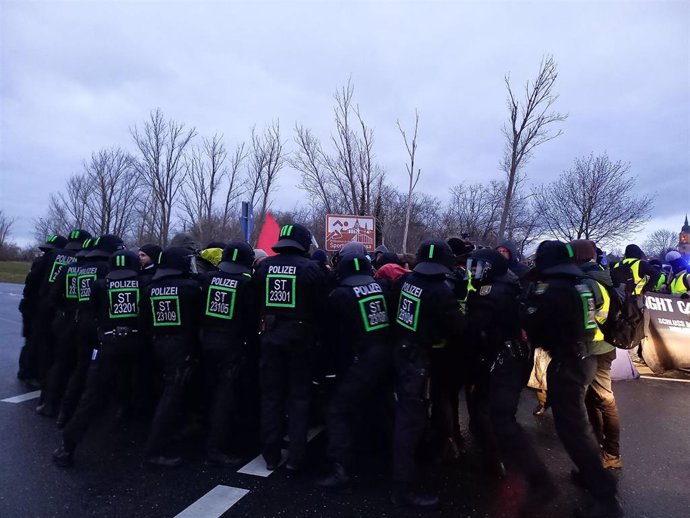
261 336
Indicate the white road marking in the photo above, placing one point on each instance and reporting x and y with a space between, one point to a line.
664 379
22 397
257 466
10 320
214 503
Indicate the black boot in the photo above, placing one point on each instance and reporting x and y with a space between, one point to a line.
62 419
162 461
337 481
415 500
219 458
47 409
63 456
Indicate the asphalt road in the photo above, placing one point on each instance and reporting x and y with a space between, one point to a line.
107 479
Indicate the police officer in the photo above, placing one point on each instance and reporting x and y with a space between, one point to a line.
359 325
427 319
560 318
94 267
28 307
42 335
503 364
292 295
116 303
172 303
63 297
229 321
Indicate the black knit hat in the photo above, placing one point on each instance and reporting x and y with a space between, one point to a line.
553 253
153 251
434 257
238 257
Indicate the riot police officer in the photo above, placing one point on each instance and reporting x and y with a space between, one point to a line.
292 294
28 307
359 325
172 303
116 304
502 362
95 267
427 320
560 318
63 297
228 323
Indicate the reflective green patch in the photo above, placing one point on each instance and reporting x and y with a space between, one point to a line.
281 291
220 302
166 310
374 312
408 311
124 302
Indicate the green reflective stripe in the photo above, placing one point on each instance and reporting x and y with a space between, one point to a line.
660 282
571 252
234 254
286 231
160 256
356 264
431 252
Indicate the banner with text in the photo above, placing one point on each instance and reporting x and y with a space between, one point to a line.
667 330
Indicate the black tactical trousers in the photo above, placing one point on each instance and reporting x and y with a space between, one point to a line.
446 375
65 358
568 378
369 372
412 366
505 385
43 339
221 369
173 355
285 376
87 342
113 357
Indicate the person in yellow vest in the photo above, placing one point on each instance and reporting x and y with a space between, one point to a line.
681 277
635 272
599 400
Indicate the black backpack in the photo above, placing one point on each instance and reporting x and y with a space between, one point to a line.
624 326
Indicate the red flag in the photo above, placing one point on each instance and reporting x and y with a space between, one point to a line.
270 232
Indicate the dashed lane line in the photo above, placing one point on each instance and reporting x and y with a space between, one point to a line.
257 466
214 503
22 397
664 379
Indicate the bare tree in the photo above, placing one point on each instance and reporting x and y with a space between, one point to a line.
474 211
266 159
660 242
413 176
113 192
593 200
6 224
233 179
345 179
530 124
162 145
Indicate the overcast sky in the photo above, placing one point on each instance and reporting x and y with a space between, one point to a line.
76 76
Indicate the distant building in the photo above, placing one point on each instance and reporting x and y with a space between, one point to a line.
684 239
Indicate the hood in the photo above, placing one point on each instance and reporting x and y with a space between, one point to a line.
508 278
597 273
390 272
512 248
563 269
585 250
634 252
353 248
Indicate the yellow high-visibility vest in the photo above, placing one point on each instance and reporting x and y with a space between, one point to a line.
679 284
602 313
638 281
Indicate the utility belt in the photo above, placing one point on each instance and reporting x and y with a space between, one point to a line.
511 350
119 332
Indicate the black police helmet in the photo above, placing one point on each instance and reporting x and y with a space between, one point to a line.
556 256
238 257
86 247
76 239
174 260
215 244
489 263
296 237
434 257
354 270
459 247
123 264
106 245
53 241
